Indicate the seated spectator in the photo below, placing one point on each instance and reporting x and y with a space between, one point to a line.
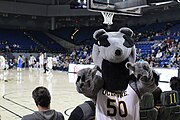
157 96
159 54
42 99
175 85
157 92
85 111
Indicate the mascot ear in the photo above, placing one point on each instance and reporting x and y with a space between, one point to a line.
130 66
126 31
98 33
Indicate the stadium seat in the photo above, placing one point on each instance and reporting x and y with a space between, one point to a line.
147 110
169 109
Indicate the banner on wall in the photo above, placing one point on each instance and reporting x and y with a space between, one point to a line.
165 74
74 68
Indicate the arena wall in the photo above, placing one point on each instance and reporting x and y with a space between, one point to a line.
165 74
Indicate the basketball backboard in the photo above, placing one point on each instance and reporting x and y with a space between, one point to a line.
123 7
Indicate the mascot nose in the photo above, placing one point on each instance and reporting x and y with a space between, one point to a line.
118 52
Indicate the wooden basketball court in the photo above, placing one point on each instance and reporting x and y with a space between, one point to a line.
16 88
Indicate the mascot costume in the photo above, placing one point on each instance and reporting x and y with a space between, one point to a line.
117 82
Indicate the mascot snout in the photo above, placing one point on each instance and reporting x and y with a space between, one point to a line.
118 52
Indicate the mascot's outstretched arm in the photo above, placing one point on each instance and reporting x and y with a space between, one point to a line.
88 83
145 76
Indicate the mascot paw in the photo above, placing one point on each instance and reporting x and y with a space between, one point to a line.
141 70
88 83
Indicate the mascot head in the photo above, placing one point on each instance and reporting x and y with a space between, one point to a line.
111 52
115 46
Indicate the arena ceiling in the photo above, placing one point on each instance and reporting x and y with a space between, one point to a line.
93 20
68 2
43 2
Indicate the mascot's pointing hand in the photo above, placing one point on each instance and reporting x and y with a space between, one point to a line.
141 70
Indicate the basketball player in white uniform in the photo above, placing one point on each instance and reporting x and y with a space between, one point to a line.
2 62
32 62
49 62
41 60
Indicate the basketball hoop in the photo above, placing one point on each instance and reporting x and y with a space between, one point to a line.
108 17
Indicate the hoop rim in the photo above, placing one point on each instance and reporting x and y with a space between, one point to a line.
108 17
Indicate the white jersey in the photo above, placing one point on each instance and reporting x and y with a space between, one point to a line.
32 60
117 106
41 59
2 62
49 62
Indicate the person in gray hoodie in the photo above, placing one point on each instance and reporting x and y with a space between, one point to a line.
42 99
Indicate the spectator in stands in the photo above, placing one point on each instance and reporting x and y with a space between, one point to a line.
158 55
157 96
42 99
175 85
178 33
157 92
8 48
76 56
168 40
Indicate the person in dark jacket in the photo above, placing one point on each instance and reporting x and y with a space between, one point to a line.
42 99
84 111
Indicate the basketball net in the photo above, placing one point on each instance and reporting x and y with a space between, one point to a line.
108 17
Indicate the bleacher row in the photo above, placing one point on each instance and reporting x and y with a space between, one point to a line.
27 41
83 35
167 110
37 41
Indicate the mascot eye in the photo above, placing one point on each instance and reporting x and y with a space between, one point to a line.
102 41
98 43
145 67
127 32
129 41
78 79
